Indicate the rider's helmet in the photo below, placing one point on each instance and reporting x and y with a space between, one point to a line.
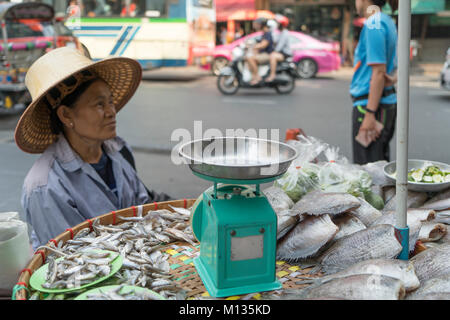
261 21
272 24
282 20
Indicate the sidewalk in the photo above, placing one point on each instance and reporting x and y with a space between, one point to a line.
188 73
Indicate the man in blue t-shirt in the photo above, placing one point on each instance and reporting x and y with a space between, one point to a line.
261 51
371 89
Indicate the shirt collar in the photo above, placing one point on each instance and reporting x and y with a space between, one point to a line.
71 161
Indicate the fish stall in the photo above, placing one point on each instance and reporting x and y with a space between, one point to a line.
321 228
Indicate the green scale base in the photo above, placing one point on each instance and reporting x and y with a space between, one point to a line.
234 291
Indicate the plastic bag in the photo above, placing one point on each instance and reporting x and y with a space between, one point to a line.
302 175
15 249
338 175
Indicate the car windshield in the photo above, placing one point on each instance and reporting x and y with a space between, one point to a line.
29 28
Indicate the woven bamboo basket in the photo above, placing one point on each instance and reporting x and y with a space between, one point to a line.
181 267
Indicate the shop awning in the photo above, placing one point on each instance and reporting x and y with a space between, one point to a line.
225 8
421 7
251 15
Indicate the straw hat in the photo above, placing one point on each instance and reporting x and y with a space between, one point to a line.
62 70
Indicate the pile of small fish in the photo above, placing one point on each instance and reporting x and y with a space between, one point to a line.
77 269
354 245
139 240
119 294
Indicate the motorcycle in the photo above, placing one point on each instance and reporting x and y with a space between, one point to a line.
237 75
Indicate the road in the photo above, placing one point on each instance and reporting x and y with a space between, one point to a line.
321 107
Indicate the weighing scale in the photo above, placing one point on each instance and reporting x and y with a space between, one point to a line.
234 222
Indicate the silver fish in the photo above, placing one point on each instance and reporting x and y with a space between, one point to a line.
434 285
440 201
372 243
366 213
285 222
375 170
433 262
422 214
347 224
432 231
278 198
436 296
355 287
388 194
307 238
414 200
398 269
443 216
318 203
414 225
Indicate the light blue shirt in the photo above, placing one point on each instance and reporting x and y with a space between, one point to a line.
377 45
61 190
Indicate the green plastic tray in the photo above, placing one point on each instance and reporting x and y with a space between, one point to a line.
125 289
39 276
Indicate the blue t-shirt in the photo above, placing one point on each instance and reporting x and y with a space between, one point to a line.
377 45
267 36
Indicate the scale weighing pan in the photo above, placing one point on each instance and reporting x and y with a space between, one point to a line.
242 160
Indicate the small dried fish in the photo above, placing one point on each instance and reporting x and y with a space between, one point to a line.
278 199
439 202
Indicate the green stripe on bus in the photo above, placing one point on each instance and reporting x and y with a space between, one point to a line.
127 20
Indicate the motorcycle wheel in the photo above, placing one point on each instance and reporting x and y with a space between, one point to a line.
227 85
287 88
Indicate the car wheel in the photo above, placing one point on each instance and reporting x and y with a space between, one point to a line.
307 68
218 64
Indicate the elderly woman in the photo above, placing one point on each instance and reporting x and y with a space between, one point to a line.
85 170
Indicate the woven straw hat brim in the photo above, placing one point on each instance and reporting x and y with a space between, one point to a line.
33 132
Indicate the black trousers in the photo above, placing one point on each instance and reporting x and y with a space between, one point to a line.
379 149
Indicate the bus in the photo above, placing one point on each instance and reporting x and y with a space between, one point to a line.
157 33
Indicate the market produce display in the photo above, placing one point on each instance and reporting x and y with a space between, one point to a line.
329 219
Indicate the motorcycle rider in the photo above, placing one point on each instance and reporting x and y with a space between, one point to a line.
261 51
282 49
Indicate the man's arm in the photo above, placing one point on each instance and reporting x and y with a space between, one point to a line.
377 83
264 43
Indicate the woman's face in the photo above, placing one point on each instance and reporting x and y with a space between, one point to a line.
94 114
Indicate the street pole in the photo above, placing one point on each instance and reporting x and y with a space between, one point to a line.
404 35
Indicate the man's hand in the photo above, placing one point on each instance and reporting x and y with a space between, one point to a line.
390 80
368 127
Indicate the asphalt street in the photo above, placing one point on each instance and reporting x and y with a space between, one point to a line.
163 111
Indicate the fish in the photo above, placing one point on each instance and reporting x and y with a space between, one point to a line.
443 216
285 222
414 200
388 193
434 285
439 202
422 214
366 213
433 262
354 287
398 269
375 242
376 171
141 243
432 231
307 238
347 224
278 198
436 296
318 203
446 237
413 222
